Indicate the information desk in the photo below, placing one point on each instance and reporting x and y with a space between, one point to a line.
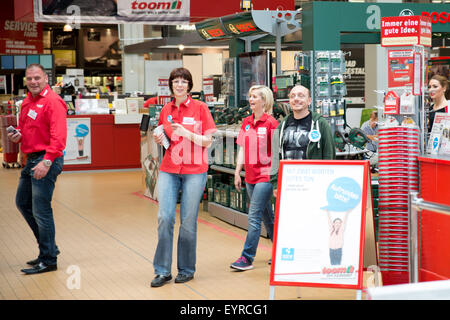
434 228
113 144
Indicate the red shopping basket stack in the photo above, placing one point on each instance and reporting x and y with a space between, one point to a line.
398 166
10 150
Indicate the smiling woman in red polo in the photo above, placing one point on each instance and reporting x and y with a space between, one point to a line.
189 126
255 154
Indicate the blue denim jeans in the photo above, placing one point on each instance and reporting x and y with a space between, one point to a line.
260 209
33 199
192 187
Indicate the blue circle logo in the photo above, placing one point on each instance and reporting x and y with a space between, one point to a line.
343 194
81 130
247 127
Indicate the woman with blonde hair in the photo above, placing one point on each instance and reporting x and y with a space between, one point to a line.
437 89
255 154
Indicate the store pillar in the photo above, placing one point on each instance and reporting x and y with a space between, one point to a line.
133 65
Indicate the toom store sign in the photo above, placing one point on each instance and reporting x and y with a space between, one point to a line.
405 30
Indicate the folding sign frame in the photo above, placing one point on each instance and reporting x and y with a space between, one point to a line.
324 233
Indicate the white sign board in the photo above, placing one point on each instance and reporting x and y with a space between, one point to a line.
78 145
319 236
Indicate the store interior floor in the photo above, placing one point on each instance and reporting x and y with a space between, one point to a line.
106 230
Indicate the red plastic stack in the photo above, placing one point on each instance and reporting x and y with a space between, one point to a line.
10 150
398 149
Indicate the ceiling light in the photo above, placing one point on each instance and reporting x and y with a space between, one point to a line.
67 27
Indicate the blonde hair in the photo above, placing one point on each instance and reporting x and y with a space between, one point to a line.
266 94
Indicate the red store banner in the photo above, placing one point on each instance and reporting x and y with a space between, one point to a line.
17 37
405 31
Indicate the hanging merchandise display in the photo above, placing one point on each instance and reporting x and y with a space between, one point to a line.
323 73
391 103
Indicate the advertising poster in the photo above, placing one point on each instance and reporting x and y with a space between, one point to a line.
439 141
112 11
320 223
78 146
401 68
17 37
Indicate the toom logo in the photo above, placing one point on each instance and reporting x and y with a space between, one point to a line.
156 5
437 17
159 11
342 272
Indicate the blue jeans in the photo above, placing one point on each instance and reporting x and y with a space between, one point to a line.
260 209
192 187
33 199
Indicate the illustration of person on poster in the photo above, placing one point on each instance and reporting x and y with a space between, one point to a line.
343 195
81 132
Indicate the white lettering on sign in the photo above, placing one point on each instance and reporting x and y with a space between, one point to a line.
29 28
374 18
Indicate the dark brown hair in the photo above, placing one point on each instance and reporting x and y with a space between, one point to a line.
443 81
181 73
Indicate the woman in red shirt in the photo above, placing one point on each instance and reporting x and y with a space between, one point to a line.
189 126
255 155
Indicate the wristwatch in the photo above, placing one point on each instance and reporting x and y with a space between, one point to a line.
47 163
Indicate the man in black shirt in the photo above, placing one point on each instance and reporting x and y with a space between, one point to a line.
301 135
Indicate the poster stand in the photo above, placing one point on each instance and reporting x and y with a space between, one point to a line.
324 234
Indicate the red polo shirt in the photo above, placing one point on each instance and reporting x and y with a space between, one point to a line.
42 123
183 156
256 138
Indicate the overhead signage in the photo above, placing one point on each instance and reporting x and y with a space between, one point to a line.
405 30
437 17
239 25
167 12
17 37
211 29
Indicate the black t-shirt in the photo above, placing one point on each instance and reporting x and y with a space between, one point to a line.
295 137
432 115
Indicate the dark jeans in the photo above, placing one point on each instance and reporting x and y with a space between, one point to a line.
33 199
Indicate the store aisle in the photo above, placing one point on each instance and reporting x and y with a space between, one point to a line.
106 231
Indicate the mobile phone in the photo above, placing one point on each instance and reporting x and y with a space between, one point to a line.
12 130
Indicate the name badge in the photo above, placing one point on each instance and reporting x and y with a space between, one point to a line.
314 135
188 120
262 130
32 114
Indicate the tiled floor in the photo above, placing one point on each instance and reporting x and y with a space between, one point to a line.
107 232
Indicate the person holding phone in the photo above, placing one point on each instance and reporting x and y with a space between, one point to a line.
189 126
42 132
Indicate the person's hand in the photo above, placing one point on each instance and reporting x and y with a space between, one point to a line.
40 170
158 138
237 182
14 137
179 130
275 193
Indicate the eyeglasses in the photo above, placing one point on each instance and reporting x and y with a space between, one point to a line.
181 82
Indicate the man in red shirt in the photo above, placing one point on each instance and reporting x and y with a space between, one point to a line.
42 132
